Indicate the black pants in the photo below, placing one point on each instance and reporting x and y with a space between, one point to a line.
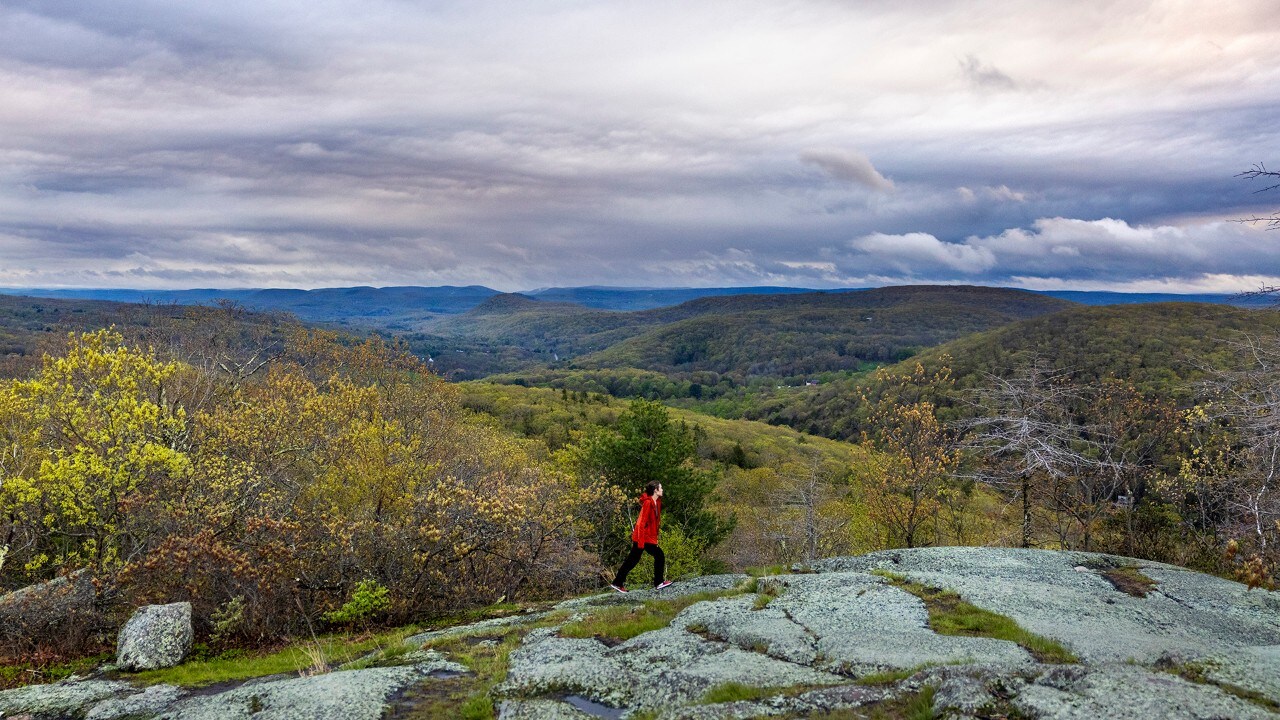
659 563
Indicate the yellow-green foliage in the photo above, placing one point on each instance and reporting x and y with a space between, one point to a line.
92 428
277 490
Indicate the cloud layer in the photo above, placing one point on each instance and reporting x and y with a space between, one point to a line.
808 142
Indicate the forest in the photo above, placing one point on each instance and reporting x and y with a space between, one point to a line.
290 479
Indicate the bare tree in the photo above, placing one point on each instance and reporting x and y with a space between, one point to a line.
1025 433
1260 172
808 489
1252 406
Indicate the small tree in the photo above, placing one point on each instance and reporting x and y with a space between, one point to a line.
1026 435
813 510
647 445
916 463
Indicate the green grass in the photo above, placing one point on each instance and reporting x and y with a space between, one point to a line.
949 614
765 596
763 571
623 622
916 707
332 650
27 673
735 692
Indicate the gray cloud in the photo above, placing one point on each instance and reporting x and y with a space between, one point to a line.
850 166
985 76
258 143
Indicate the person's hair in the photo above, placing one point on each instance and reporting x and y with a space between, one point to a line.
650 488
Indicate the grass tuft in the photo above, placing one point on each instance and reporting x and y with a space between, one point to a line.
765 597
949 614
735 692
913 707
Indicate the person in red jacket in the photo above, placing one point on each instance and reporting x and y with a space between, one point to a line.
644 538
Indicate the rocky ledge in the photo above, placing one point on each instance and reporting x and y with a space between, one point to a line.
889 634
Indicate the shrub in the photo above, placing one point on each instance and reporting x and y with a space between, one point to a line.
368 600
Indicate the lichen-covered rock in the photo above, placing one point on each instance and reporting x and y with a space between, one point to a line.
1127 692
351 695
157 636
670 666
68 698
540 710
1189 613
148 703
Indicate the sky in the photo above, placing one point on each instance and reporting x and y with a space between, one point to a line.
1089 145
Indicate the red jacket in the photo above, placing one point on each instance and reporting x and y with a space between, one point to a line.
646 531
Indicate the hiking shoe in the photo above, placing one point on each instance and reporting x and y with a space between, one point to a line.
619 588
664 584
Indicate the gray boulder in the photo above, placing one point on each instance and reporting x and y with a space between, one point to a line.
63 614
157 636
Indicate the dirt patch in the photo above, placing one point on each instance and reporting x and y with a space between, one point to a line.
434 698
1129 579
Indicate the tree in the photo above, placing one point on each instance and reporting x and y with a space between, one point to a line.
806 501
1260 172
916 463
1250 406
647 445
1025 434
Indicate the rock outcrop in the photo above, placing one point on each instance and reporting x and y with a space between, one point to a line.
65 608
157 636
859 635
845 634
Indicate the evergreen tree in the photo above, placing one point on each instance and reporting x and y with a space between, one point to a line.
647 445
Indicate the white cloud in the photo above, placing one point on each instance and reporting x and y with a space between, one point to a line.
919 255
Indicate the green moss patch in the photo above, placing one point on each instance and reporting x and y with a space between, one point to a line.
949 614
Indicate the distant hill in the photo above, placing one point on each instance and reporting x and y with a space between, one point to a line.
1161 348
405 309
612 298
740 337
32 325
389 307
787 336
1119 298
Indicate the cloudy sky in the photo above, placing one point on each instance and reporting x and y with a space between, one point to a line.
819 143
